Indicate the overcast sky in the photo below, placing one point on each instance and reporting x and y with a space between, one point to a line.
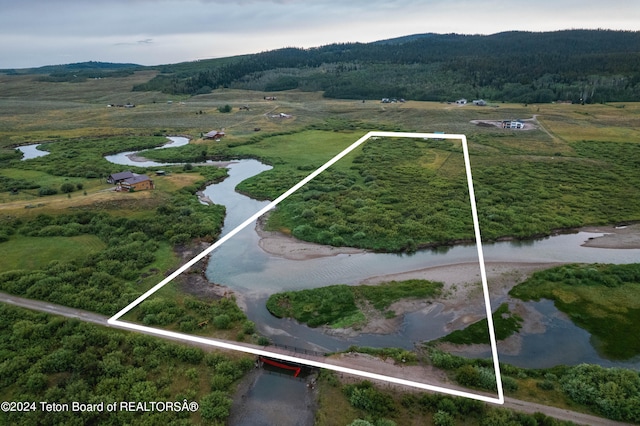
150 32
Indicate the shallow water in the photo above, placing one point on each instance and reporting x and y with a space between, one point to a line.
561 343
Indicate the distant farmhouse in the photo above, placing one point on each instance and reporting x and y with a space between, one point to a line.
512 124
480 102
462 101
214 134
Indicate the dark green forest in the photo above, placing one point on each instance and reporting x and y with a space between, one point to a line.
582 66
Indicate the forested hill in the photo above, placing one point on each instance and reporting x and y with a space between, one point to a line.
577 65
77 72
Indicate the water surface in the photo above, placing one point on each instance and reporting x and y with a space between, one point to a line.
31 151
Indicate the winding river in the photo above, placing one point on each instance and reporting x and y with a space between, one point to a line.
243 266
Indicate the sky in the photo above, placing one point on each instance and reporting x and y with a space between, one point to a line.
151 32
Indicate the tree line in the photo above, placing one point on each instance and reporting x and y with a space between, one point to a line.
577 65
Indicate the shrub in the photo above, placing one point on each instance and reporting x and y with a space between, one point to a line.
442 418
222 322
67 188
546 385
215 406
248 327
47 191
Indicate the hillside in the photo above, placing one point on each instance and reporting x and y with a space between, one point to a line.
587 66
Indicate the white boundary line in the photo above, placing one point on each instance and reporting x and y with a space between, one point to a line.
115 320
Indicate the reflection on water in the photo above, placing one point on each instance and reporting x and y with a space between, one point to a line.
561 343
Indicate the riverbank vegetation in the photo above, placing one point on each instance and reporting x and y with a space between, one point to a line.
362 403
602 299
61 361
400 195
609 392
341 306
215 316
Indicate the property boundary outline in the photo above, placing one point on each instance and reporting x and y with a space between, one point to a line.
115 320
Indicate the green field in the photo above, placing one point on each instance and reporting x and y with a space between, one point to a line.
31 253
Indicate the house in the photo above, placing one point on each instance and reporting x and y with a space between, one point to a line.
136 183
119 177
512 124
462 101
480 102
214 134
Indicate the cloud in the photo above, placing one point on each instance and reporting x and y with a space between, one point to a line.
163 31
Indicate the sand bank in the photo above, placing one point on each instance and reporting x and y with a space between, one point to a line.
616 237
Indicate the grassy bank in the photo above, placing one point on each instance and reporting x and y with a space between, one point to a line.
362 403
602 299
585 388
340 306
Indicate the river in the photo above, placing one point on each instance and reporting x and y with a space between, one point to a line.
244 267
